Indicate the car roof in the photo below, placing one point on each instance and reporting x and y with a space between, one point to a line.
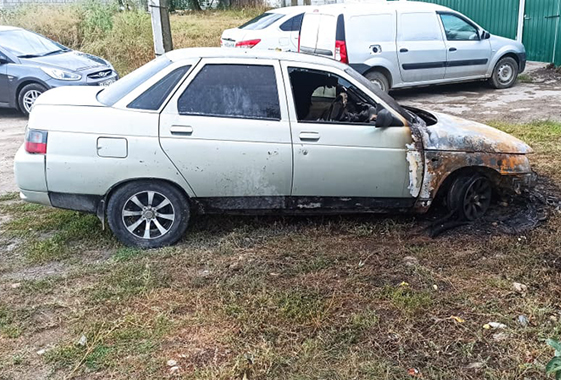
291 10
189 53
4 28
377 7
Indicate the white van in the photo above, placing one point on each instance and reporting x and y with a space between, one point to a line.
406 44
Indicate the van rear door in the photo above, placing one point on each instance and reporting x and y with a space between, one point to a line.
317 35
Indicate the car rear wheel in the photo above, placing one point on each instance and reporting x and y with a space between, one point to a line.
379 79
148 214
470 196
505 73
28 95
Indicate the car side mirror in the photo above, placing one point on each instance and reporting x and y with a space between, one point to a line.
386 119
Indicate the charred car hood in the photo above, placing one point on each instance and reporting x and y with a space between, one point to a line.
452 133
72 60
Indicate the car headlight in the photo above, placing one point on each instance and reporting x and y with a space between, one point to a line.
61 74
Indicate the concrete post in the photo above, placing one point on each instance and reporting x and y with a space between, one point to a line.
521 13
161 29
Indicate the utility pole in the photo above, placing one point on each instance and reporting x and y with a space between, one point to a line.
161 29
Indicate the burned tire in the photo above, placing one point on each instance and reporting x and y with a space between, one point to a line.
379 79
505 73
148 214
28 95
470 196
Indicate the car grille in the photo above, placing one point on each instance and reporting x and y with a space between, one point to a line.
100 74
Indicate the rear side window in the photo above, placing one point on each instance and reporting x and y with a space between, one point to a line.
261 21
153 98
293 25
419 27
239 91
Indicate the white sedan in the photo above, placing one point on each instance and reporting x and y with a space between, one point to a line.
214 131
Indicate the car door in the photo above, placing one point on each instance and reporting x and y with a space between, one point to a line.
341 159
421 50
4 83
290 29
227 131
467 54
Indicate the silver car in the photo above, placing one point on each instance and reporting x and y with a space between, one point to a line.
406 43
221 131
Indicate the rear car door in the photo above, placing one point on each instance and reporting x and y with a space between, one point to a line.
317 34
290 29
341 159
227 131
467 54
421 50
4 83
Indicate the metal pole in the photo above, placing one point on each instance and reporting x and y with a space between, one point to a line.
521 13
161 28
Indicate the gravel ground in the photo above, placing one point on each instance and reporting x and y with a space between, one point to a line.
534 98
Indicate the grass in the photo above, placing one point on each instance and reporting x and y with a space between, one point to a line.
525 78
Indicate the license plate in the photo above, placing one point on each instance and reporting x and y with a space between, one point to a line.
107 83
228 44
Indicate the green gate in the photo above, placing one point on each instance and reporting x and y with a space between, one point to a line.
541 30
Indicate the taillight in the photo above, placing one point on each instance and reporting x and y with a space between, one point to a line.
341 52
299 42
36 141
247 44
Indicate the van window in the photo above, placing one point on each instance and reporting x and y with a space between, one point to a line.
373 28
321 96
419 27
261 21
458 29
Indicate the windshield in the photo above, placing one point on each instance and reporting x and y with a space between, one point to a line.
25 44
262 21
381 94
124 86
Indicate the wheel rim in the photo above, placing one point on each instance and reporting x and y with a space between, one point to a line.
505 73
378 83
477 199
29 98
148 215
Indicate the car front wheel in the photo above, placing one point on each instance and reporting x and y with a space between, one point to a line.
28 95
148 214
505 73
470 196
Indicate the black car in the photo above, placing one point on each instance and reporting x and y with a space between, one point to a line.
30 64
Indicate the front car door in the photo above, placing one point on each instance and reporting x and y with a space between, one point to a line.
4 82
227 131
341 161
467 54
421 50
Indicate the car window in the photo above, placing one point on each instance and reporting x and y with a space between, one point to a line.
321 96
239 91
293 24
419 27
124 86
153 98
26 44
458 29
261 21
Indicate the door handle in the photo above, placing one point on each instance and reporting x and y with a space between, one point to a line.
309 136
452 49
181 129
403 50
552 16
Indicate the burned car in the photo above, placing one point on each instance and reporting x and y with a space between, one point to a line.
215 131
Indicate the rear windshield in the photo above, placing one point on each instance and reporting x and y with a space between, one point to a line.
261 21
381 94
124 86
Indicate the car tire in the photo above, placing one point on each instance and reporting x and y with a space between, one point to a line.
148 214
505 73
379 79
470 196
27 96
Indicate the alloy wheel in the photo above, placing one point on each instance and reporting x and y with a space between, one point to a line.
29 98
477 198
148 215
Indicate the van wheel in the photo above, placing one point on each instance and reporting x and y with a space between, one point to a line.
28 95
148 214
470 196
378 79
505 73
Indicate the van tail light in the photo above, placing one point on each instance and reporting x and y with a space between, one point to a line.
248 44
299 42
341 52
36 141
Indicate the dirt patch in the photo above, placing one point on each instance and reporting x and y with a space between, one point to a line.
12 129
